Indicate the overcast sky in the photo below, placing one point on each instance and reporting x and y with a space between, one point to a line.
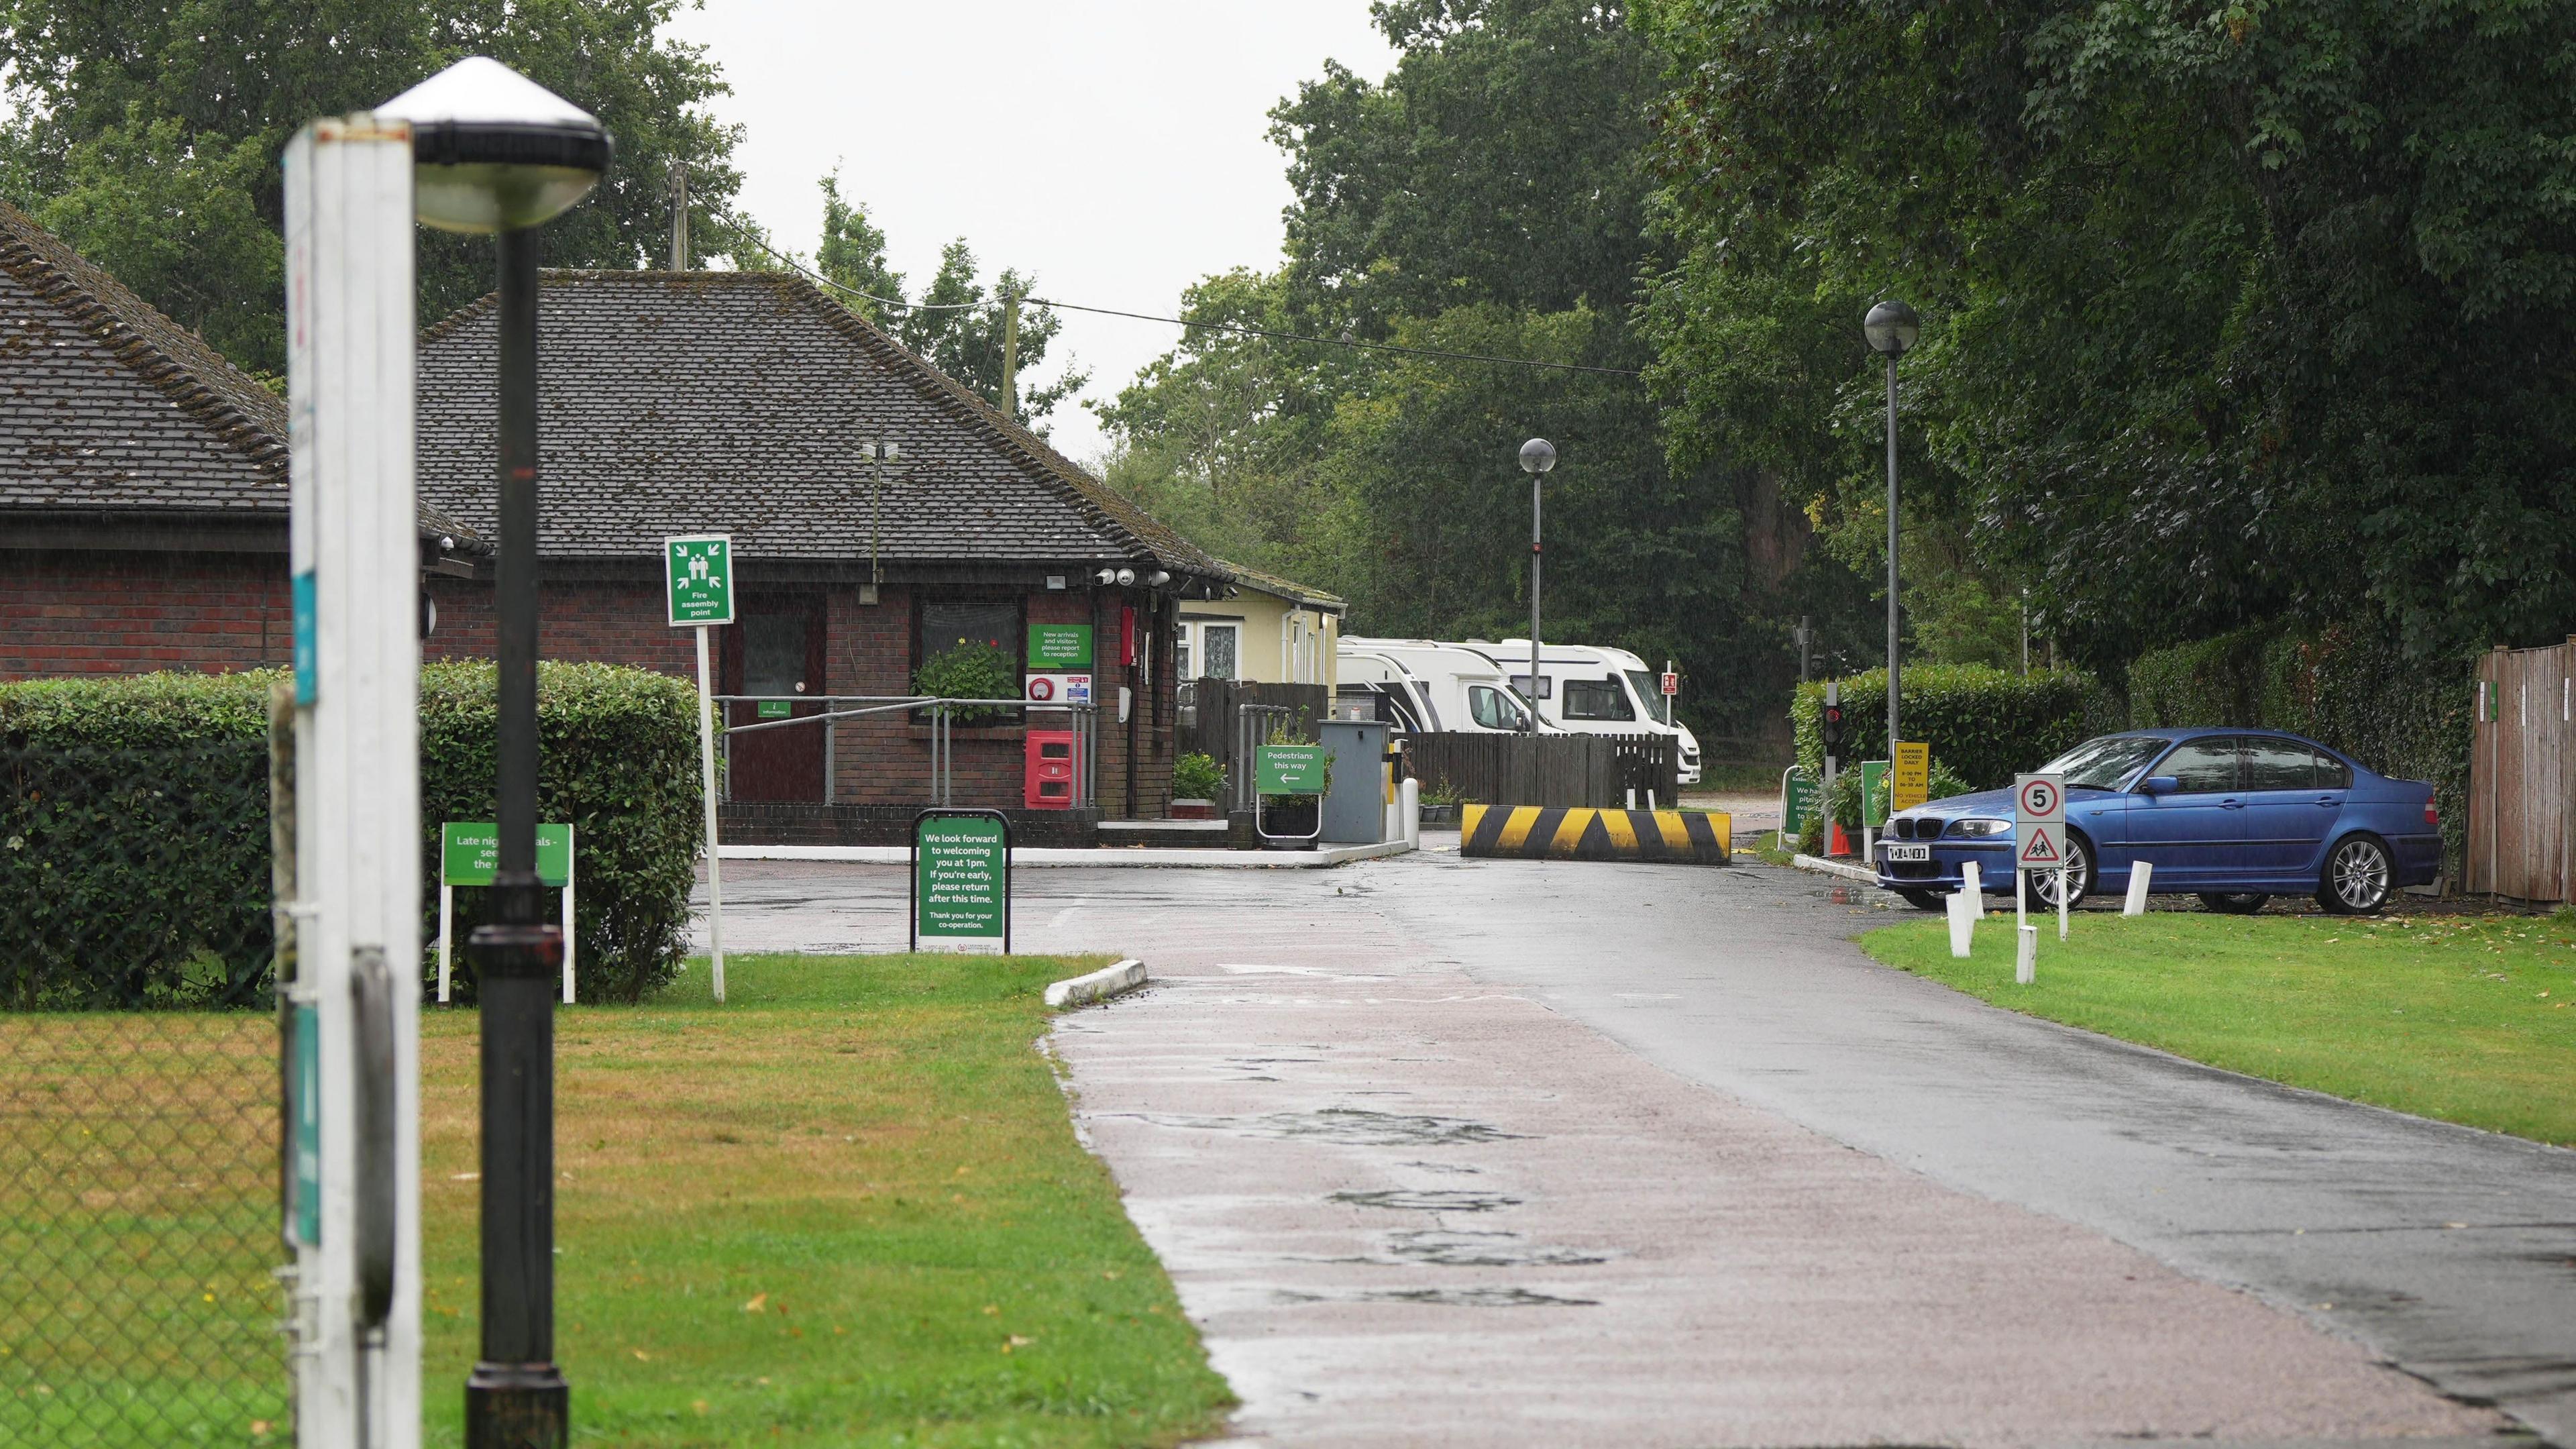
1117 149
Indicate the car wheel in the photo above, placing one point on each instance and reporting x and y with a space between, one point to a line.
2237 903
1922 900
2355 880
2079 876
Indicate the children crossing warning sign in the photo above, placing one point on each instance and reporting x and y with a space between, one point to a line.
2039 822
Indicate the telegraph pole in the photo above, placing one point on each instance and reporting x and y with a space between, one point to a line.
1011 353
679 215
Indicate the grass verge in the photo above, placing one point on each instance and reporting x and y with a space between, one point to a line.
2461 1019
846 1208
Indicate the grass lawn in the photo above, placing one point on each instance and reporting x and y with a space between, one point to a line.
847 1208
2466 1019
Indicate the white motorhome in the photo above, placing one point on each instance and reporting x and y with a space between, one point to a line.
1586 689
1425 685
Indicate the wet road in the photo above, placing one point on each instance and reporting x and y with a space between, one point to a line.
2451 1252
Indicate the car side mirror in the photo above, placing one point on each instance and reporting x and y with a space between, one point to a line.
2159 785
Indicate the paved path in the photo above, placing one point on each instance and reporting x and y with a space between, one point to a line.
1379 1124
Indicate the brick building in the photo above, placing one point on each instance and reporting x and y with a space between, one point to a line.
143 497
742 403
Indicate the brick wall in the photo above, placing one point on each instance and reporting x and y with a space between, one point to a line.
64 613
84 612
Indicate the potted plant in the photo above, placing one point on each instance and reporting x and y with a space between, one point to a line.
1198 782
1439 804
968 669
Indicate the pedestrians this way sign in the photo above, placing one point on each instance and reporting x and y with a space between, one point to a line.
2039 822
699 573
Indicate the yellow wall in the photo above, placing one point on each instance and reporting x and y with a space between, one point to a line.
1313 636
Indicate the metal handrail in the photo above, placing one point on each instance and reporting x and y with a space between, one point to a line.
1084 719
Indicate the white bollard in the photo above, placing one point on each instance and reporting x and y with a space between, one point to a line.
2062 902
1632 797
1974 886
2138 877
2026 962
1412 806
1963 923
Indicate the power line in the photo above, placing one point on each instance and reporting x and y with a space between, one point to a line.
1341 341
811 275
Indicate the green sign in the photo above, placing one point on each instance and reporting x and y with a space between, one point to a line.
306 1213
961 879
698 574
1873 791
777 708
1291 769
1059 648
1798 804
470 853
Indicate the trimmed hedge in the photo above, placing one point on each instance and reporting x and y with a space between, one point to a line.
134 848
618 757
2355 690
1843 801
134 842
1986 724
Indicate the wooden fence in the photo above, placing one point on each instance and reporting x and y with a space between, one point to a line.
1551 770
1208 708
2522 775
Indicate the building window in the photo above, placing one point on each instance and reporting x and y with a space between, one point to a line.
1597 699
1218 642
946 624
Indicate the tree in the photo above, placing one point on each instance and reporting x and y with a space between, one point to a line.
149 137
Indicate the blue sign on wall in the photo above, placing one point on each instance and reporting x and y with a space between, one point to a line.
305 668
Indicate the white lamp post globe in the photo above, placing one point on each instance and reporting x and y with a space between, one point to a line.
1892 327
1537 455
494 151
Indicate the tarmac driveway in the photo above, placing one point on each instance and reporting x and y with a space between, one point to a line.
1445 1151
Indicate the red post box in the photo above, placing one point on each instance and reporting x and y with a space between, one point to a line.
1050 780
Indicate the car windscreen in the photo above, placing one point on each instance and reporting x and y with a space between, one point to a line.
2102 764
1650 690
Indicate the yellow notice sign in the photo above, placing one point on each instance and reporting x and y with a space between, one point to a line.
1913 775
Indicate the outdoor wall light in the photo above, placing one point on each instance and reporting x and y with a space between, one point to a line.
1891 327
1105 577
1158 578
1126 577
493 151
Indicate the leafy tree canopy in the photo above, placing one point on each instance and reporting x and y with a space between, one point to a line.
148 136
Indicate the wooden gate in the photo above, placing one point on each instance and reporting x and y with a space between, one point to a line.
2522 775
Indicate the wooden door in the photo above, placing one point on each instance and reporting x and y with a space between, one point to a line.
775 649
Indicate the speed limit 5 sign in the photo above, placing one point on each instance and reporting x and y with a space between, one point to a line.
2039 822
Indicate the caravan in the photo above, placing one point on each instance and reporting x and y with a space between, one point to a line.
1423 686
1584 689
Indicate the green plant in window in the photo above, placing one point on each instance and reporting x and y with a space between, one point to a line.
1197 777
968 669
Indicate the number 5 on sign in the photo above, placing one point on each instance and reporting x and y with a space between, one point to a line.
2039 822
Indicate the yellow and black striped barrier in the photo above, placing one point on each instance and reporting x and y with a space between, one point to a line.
1533 832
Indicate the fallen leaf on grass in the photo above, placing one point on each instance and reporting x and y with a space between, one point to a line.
757 1303
640 1355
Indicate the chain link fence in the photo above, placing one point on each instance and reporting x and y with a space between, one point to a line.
139 1092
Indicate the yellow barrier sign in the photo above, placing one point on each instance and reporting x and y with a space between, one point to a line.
1913 775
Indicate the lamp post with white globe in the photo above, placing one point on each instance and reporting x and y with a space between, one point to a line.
1537 456
1891 328
496 154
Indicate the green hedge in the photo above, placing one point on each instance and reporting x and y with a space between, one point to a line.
618 757
1983 722
134 859
134 842
1843 801
2352 689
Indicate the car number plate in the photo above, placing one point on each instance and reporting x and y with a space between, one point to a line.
1909 852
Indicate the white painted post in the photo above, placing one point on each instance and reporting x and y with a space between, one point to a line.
2139 874
1963 923
2062 903
2026 963
446 930
572 864
1412 813
707 785
1973 886
1632 797
355 556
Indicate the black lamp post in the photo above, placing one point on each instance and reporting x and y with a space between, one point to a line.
495 153
1891 328
1537 456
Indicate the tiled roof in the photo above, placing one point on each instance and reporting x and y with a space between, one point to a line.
679 402
1289 589
109 407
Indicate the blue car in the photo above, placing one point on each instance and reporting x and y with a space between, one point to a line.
2232 816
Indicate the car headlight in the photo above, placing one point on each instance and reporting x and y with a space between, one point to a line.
1973 829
